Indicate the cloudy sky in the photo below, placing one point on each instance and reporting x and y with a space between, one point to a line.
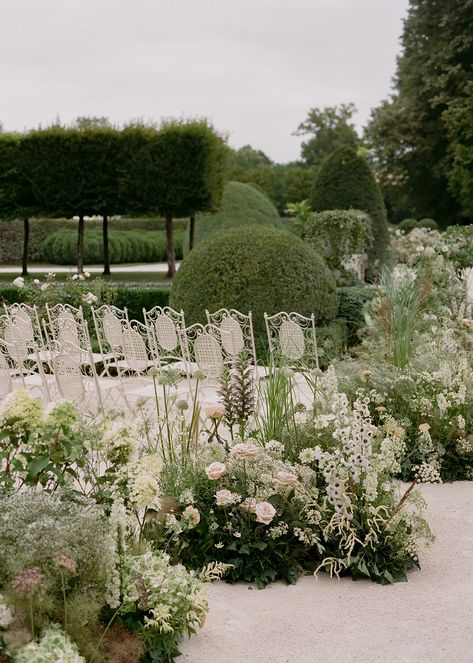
254 67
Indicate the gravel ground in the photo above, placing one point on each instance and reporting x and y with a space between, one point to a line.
426 620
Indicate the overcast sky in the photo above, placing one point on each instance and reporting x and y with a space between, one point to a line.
254 67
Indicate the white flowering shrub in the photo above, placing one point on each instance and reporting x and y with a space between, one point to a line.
54 647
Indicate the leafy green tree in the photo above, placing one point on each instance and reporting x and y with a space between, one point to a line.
73 172
16 196
246 158
345 181
328 128
459 121
188 170
408 133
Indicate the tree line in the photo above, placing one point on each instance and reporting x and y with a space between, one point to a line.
93 169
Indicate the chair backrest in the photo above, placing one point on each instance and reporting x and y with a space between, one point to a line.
16 343
6 384
163 324
68 376
108 327
66 324
235 330
292 336
137 348
75 376
27 318
202 350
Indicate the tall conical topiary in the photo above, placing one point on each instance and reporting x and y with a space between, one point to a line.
345 181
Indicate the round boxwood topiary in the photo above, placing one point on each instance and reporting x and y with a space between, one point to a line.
242 205
254 269
345 181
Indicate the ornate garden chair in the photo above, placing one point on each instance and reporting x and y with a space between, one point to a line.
109 331
163 324
292 339
235 332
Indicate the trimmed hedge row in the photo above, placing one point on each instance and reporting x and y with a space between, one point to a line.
124 246
11 233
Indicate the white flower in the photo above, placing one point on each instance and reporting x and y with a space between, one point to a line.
45 286
215 470
219 545
6 616
87 275
226 497
307 456
265 512
300 417
19 282
192 515
75 277
286 478
245 450
36 281
89 298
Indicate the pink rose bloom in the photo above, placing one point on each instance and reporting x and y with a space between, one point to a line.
215 470
249 504
225 497
265 512
286 478
245 450
424 428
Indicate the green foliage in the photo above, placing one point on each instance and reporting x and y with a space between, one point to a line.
254 269
459 122
352 300
345 181
338 234
409 133
409 224
125 246
242 205
330 128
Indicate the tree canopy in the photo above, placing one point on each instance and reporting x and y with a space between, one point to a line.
328 128
408 133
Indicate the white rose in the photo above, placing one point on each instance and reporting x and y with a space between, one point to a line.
429 252
214 411
249 504
215 470
265 512
36 281
245 450
419 249
87 275
286 478
19 282
192 514
224 497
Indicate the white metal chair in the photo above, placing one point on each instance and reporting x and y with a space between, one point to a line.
292 337
27 318
163 324
235 331
76 380
109 331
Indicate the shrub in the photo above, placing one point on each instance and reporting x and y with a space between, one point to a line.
338 234
428 223
242 205
407 225
125 246
254 269
345 181
351 307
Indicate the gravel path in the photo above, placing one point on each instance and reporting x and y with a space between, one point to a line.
426 620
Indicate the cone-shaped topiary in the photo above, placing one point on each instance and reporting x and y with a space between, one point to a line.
242 205
254 269
345 181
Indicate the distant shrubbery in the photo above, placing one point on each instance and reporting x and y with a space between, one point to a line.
124 245
242 205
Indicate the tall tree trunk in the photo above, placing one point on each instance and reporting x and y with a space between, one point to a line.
26 241
191 231
106 257
80 246
170 247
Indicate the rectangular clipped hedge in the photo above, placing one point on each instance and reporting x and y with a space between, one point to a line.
134 298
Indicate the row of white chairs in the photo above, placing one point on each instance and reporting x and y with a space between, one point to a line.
57 350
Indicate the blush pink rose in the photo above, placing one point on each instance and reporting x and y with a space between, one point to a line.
215 470
265 512
245 450
286 478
